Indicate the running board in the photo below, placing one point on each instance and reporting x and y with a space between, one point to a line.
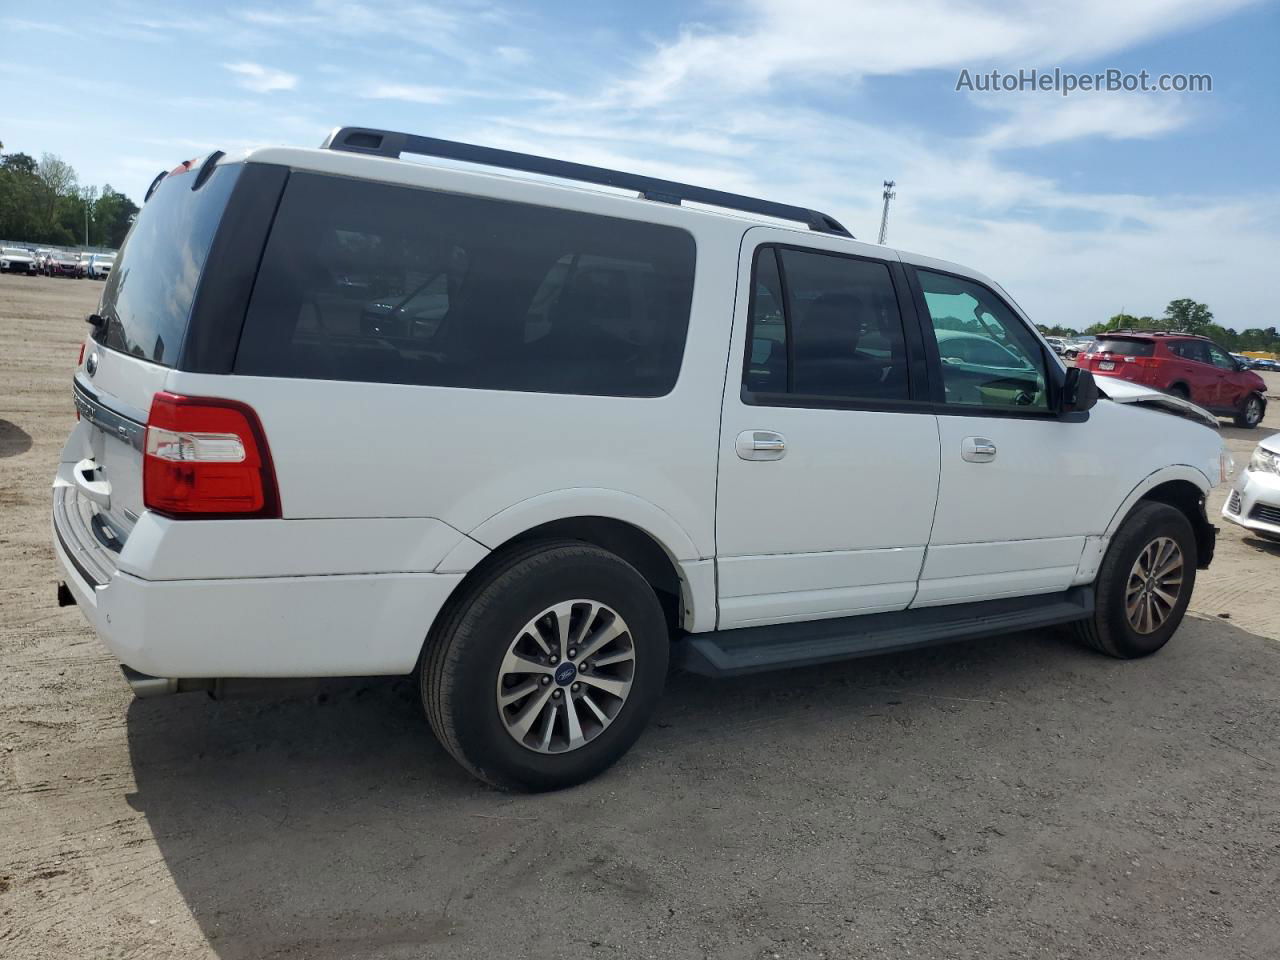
728 653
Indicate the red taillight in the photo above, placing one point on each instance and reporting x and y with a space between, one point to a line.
80 359
206 457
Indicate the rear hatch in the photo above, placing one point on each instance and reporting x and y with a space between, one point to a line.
144 314
1119 356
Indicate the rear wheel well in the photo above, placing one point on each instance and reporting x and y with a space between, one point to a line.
1181 389
620 538
1185 496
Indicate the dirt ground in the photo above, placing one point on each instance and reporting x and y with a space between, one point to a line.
1012 797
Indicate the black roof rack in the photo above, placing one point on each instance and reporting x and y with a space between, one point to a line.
1153 333
387 143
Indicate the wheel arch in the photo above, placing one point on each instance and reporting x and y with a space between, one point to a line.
1182 487
637 531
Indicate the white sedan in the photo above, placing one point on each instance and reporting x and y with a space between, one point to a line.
1254 502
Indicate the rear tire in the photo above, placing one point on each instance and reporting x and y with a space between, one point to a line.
1151 558
1178 390
1250 413
471 691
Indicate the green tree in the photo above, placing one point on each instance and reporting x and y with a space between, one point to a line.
57 179
113 213
1123 321
1187 316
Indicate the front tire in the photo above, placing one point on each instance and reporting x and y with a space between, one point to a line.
548 667
1144 584
1250 413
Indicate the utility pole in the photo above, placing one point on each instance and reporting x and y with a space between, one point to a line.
88 195
889 194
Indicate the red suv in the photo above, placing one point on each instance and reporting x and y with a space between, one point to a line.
1194 368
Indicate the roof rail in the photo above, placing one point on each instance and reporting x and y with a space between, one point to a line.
387 143
1155 333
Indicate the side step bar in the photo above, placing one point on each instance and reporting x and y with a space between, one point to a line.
729 653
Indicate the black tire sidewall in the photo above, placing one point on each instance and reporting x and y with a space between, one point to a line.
1145 524
485 632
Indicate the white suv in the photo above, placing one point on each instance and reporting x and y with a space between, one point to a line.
532 441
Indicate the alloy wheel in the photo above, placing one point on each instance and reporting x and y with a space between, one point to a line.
566 676
1154 585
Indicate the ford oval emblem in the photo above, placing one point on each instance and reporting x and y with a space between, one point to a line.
91 365
566 673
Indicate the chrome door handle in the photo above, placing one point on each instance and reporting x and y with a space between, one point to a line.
761 445
977 450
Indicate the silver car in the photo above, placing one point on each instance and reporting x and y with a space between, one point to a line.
1254 501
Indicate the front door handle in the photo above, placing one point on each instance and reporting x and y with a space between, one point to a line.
761 445
977 450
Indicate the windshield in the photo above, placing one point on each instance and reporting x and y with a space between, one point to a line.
148 297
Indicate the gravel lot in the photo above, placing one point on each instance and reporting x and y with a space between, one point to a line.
1012 797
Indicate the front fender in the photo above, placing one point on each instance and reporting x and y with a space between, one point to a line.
1096 546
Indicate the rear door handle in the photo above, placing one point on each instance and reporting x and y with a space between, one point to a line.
977 450
99 491
761 445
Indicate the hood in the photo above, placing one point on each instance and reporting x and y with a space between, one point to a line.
1123 391
1271 443
19 257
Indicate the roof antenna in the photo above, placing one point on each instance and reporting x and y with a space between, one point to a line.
889 194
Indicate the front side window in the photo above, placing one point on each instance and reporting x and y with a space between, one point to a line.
381 283
989 358
1219 358
825 326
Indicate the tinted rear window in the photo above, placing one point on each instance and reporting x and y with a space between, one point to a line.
1124 348
152 283
375 282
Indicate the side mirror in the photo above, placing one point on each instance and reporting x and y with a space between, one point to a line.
1079 391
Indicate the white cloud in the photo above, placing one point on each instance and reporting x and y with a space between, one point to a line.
816 40
411 93
260 79
512 55
1037 119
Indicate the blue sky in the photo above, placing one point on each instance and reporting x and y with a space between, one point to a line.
1080 206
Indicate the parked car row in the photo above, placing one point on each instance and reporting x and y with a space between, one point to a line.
1069 347
51 262
1258 363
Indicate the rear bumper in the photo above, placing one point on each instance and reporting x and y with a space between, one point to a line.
317 626
289 598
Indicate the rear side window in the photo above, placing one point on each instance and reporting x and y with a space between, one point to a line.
152 283
375 282
824 326
1128 348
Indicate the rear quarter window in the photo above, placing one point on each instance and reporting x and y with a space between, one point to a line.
382 283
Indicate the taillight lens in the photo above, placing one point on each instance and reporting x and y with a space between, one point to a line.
206 457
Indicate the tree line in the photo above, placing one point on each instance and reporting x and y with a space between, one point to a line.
42 201
1184 316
